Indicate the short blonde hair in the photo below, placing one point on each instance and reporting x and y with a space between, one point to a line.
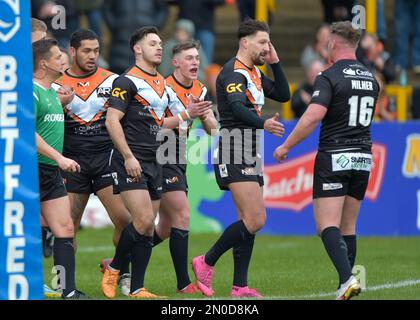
345 30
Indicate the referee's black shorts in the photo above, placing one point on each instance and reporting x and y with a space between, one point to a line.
51 183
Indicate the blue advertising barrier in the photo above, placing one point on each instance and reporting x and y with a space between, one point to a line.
21 275
392 203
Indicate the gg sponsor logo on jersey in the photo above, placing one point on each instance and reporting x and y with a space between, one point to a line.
119 93
233 87
411 165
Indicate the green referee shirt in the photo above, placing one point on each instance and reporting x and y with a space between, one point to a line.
49 117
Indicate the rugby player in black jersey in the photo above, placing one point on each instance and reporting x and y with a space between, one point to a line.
136 113
344 99
241 90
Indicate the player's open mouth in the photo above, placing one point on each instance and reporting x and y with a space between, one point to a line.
194 70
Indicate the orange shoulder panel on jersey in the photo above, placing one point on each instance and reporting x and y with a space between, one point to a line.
182 92
255 78
156 82
253 74
84 86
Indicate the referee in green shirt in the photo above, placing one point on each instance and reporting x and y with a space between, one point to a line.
55 205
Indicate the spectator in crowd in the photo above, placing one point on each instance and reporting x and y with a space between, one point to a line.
372 54
407 24
303 95
385 107
61 23
318 50
42 9
201 13
184 31
380 21
212 71
122 17
93 12
246 9
337 10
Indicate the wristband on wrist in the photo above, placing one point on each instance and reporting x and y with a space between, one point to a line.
188 115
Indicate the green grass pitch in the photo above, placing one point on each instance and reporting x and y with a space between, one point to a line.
281 267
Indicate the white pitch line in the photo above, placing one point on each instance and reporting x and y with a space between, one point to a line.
392 285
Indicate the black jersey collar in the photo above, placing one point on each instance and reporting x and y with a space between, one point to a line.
148 73
250 69
184 86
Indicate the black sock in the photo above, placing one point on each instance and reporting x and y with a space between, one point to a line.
156 239
337 250
140 256
242 253
44 231
64 257
125 265
127 241
351 248
178 245
232 235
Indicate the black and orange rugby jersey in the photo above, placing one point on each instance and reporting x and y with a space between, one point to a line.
143 98
238 83
181 94
85 115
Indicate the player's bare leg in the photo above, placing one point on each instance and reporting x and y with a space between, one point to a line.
78 202
137 238
328 213
118 213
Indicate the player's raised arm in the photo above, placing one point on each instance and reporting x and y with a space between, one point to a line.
279 88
